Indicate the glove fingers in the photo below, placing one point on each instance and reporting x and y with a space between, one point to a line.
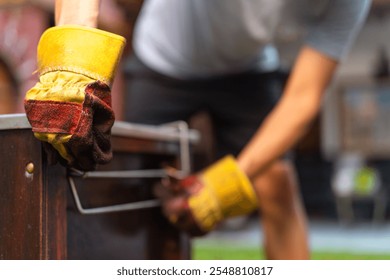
90 144
103 117
189 185
174 195
162 191
175 206
177 211
187 222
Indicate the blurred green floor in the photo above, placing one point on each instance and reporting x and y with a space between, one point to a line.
236 253
328 241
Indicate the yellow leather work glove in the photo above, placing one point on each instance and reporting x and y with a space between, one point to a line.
199 202
70 106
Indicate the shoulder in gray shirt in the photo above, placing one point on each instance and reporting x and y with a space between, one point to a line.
195 38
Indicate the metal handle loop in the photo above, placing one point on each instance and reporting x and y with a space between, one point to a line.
185 167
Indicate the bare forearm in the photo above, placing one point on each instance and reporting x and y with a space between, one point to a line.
78 12
290 119
280 131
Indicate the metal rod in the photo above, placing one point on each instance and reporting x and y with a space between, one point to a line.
146 173
112 208
185 162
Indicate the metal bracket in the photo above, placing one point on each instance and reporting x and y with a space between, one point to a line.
185 167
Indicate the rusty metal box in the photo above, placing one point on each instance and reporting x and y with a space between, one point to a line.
49 212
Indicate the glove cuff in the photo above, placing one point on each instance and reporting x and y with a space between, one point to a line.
227 192
83 50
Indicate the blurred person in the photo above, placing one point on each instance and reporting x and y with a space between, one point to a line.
193 55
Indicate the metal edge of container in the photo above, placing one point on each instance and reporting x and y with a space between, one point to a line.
120 128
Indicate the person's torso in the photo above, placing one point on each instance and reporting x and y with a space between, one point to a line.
195 38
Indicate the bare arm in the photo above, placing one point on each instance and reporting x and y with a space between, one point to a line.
78 12
295 111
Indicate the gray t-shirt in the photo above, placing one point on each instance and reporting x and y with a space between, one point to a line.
197 38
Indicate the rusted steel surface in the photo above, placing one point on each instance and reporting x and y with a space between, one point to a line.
32 214
139 234
38 216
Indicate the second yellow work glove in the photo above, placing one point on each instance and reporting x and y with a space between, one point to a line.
200 202
70 106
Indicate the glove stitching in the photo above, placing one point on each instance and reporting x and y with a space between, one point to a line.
75 70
